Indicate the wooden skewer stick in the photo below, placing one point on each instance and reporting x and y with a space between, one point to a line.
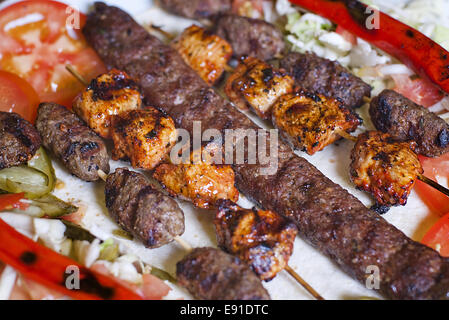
434 184
166 34
306 286
77 75
366 99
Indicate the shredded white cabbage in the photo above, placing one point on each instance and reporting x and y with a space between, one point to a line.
310 32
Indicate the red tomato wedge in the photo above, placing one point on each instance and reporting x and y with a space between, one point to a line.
433 167
9 201
48 268
17 95
438 236
37 41
419 90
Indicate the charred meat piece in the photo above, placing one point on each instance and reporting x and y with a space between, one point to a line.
326 77
144 137
81 150
109 94
204 52
203 183
143 211
326 215
211 274
196 9
263 239
385 168
257 85
19 140
250 37
405 120
310 122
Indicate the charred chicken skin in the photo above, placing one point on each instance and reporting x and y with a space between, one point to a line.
144 137
263 239
311 122
204 52
385 168
257 85
107 95
201 182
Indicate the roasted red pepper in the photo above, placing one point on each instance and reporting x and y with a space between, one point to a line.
414 49
49 268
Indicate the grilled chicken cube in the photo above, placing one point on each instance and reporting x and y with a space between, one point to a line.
204 52
109 94
144 137
257 85
310 122
385 168
201 182
263 239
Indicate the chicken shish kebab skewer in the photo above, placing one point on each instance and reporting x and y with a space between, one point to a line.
311 121
204 184
259 39
263 239
84 154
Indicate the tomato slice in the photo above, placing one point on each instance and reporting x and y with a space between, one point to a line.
37 41
438 236
433 168
419 90
9 201
17 95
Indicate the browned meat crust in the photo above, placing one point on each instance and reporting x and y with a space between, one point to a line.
204 52
211 274
385 168
76 145
196 9
405 120
144 137
326 77
326 215
257 85
310 122
263 239
107 95
250 37
19 140
148 214
203 183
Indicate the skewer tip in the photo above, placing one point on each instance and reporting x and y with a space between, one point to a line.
103 176
306 286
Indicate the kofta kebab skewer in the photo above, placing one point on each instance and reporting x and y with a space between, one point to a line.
268 227
381 165
307 121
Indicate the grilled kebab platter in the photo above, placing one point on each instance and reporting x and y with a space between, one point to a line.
90 172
